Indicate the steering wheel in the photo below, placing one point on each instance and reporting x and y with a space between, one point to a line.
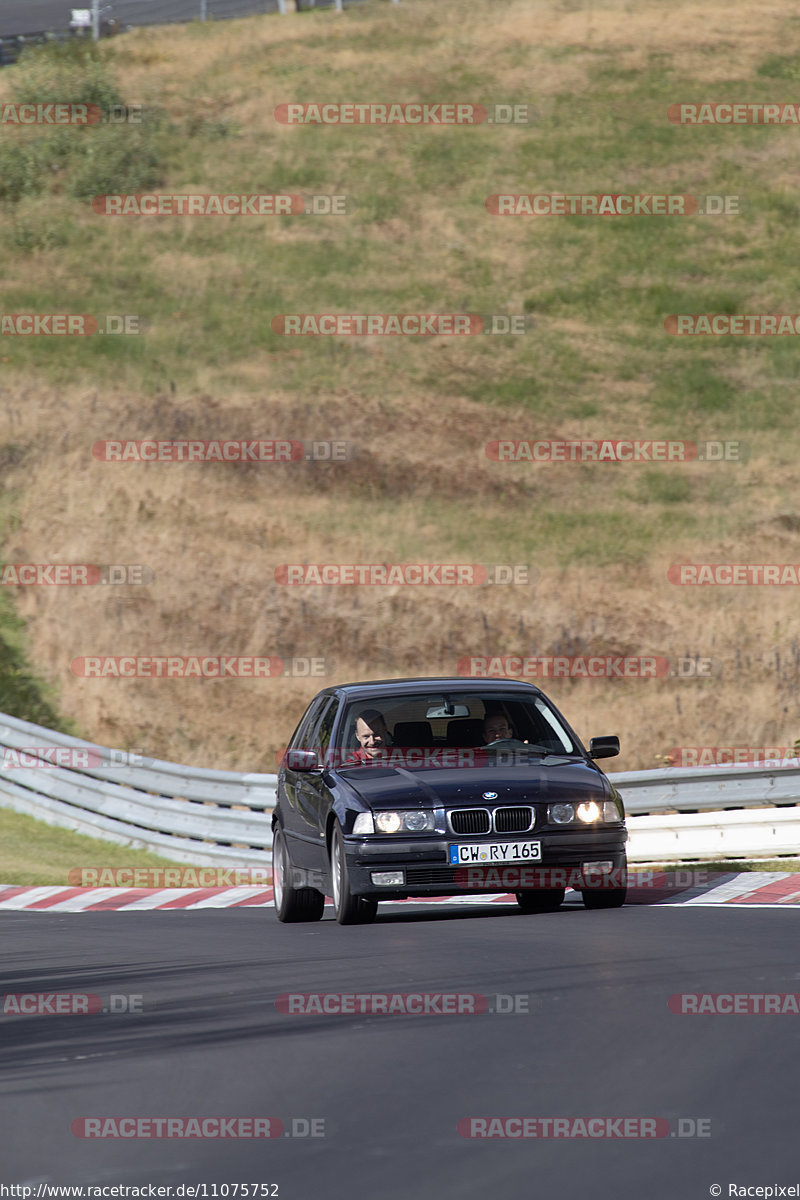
517 744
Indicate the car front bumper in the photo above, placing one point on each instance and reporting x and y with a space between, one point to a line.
427 870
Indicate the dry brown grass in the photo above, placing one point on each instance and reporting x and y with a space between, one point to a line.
714 41
213 534
419 487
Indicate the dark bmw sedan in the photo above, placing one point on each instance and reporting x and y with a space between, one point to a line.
439 787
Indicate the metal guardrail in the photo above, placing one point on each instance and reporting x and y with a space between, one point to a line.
189 814
210 818
167 12
743 833
737 811
701 789
12 46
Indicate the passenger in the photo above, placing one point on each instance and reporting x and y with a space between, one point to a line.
495 727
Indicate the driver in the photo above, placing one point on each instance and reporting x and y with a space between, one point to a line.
495 727
373 737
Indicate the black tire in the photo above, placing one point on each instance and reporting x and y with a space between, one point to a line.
605 897
349 909
541 900
609 898
291 903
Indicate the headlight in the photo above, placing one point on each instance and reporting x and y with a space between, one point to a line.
416 821
588 811
388 822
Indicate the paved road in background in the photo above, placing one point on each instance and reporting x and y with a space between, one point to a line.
33 16
599 1041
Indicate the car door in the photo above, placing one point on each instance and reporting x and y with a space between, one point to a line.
289 787
313 794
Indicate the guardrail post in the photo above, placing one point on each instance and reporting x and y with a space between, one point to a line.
96 20
282 7
203 10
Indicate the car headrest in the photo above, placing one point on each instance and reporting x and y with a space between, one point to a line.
413 733
466 732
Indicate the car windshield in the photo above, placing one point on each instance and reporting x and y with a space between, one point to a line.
501 723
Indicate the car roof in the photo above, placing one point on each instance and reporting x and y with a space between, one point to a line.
433 684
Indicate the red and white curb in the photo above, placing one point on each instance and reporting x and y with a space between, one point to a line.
772 889
124 899
759 888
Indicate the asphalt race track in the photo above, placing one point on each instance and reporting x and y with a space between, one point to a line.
599 1040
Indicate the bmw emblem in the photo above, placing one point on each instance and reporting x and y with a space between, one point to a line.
490 795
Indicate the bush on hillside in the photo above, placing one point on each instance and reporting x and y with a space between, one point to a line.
82 161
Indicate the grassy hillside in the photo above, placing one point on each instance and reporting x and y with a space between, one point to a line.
416 412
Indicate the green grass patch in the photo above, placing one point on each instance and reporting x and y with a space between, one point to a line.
614 278
34 853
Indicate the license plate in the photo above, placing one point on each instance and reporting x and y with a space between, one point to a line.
494 852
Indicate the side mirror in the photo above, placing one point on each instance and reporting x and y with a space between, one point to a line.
302 761
604 747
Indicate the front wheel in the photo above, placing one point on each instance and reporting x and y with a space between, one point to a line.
291 903
349 909
610 898
541 900
607 897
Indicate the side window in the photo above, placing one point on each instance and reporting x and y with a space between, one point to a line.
322 734
347 732
300 739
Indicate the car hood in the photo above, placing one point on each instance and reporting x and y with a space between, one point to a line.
545 780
